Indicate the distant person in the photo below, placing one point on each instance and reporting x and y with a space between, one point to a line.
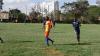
48 26
1 40
53 21
76 25
43 21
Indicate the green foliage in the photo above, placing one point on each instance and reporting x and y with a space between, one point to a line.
93 14
21 17
16 14
76 8
82 8
40 18
94 11
35 15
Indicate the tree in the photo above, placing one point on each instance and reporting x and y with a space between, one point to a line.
16 15
77 8
21 17
93 14
34 15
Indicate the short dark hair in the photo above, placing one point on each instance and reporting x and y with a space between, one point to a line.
47 18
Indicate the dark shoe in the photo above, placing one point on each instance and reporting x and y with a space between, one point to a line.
52 42
1 40
78 43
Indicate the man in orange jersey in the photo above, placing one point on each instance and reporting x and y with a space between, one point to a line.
48 26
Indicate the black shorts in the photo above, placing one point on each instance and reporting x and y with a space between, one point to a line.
77 30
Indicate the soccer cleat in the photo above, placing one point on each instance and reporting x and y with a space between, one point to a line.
1 40
52 42
48 45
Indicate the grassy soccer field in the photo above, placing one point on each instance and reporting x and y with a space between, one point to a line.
28 40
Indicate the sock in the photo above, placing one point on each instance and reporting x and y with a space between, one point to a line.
47 41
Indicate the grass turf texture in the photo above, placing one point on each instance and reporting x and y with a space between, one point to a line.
28 40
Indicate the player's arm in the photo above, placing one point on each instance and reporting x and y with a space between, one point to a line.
73 24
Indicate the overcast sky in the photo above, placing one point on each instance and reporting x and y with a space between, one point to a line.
24 5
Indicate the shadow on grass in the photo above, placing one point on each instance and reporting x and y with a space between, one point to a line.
19 41
75 44
26 41
96 42
58 32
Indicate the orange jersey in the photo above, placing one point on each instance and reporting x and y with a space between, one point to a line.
48 26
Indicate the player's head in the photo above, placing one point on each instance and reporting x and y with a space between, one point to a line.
75 19
47 18
76 5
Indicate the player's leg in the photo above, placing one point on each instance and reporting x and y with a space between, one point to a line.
54 23
47 41
78 35
1 40
51 40
46 36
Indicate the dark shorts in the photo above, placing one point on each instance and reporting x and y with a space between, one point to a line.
77 30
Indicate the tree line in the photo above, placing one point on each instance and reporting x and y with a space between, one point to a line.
81 9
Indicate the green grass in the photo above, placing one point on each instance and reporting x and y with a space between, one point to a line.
28 40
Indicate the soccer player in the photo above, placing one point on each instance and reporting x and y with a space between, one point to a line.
1 40
76 24
48 26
